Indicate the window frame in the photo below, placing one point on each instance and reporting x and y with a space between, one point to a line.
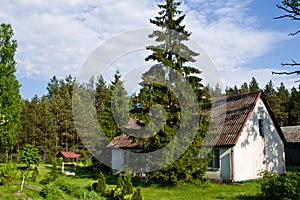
214 163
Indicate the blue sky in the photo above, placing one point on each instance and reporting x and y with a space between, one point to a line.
240 36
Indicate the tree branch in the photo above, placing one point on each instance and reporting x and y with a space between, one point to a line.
293 13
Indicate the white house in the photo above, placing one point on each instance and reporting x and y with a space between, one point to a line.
248 140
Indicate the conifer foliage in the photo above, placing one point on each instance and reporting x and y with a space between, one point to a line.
174 64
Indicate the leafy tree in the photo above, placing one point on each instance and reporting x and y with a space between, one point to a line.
30 155
292 11
10 101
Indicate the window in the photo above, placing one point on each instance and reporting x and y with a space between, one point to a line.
215 162
261 127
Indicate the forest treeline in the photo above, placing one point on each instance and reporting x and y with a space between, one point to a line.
47 121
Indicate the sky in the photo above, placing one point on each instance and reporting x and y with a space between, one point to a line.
241 37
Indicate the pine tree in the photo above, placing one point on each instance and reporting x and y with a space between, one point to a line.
281 106
270 94
244 88
253 85
231 91
294 107
10 100
111 100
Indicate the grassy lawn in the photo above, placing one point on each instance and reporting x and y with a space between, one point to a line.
213 191
84 176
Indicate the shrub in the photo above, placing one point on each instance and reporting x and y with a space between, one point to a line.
90 195
34 174
127 187
30 155
66 187
124 189
8 173
137 195
100 186
279 187
48 159
96 163
83 159
50 192
46 180
54 173
90 185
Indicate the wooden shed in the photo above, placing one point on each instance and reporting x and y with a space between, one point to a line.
292 137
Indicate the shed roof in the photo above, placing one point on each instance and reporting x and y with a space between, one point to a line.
68 154
291 133
230 116
123 141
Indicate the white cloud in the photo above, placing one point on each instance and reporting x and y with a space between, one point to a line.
55 37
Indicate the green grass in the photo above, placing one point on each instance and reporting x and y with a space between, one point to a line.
84 175
212 192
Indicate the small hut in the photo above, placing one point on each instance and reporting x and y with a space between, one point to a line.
68 158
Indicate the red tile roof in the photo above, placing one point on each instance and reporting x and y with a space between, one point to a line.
68 154
229 115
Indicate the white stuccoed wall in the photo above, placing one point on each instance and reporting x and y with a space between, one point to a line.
254 153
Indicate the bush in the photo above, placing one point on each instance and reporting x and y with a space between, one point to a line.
100 186
90 195
48 159
34 174
54 173
83 159
124 189
278 187
137 195
50 192
90 185
30 155
96 163
47 179
8 173
66 187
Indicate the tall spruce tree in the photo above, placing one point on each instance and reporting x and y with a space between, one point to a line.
10 100
173 58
